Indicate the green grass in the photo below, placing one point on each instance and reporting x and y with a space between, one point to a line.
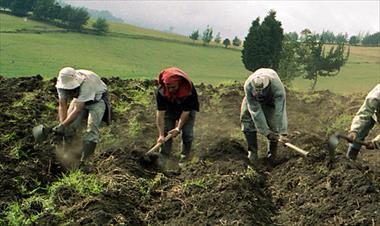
12 23
114 56
132 52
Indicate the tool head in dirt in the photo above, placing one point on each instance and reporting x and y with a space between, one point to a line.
40 133
152 160
332 144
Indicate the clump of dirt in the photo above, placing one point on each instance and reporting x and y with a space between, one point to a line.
217 186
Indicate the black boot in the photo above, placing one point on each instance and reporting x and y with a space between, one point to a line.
186 148
251 138
352 153
87 150
272 151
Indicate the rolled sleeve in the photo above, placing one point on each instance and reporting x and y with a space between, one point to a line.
365 113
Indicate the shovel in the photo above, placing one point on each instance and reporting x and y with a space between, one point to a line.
334 141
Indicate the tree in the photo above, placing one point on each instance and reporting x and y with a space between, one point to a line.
194 35
290 64
236 41
341 38
292 36
207 35
73 17
21 7
354 40
46 9
328 37
263 44
316 62
100 25
226 42
371 40
6 4
218 39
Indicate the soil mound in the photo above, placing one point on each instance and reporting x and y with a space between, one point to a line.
217 186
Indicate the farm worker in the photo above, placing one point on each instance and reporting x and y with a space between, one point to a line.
177 104
263 110
363 122
89 100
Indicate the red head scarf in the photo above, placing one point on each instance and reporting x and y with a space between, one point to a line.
174 75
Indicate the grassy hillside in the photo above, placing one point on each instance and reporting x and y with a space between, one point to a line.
29 48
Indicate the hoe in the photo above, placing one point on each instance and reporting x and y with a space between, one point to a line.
152 157
334 141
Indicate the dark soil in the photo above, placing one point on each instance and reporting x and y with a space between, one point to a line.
217 186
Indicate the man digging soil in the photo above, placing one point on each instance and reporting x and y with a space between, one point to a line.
89 100
263 110
177 104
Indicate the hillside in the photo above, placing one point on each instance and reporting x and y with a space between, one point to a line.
29 48
217 187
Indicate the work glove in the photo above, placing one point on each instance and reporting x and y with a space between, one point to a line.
353 135
59 129
272 136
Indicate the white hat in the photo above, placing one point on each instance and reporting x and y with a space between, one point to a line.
260 81
68 78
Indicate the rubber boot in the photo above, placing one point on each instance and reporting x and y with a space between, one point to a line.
272 152
352 153
87 150
186 148
251 138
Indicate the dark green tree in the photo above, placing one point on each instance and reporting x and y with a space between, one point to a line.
6 4
354 40
341 38
218 39
21 7
236 41
226 42
194 35
290 63
328 37
101 26
74 18
207 35
371 40
316 61
46 10
292 36
263 44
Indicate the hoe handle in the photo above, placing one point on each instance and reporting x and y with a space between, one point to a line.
353 141
155 147
297 149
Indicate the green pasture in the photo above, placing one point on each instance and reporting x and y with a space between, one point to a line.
132 52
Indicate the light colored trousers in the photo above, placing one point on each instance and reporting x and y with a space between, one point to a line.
94 113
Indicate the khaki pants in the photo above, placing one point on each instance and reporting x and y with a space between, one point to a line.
94 113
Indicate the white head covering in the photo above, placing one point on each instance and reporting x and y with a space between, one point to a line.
68 78
260 82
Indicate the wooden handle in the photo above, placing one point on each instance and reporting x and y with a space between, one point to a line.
297 149
353 141
155 147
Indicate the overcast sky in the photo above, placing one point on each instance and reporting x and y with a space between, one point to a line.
233 18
